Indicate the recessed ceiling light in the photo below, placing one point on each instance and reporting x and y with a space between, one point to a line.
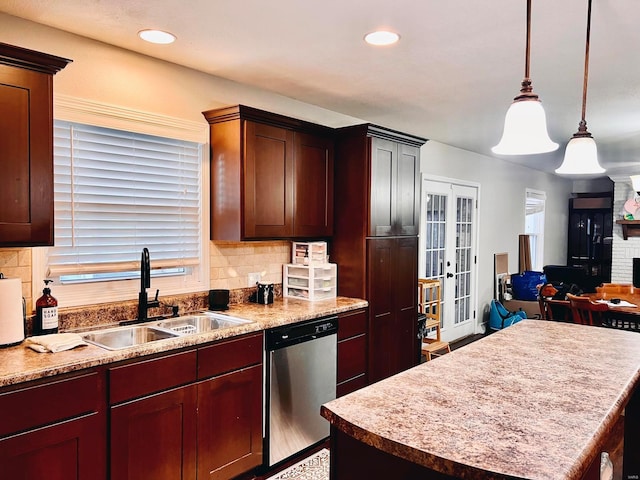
157 36
381 37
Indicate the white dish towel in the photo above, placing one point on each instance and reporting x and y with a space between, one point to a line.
55 342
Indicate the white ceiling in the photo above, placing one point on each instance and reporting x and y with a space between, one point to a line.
451 77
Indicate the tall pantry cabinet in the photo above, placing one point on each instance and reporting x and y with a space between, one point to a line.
375 241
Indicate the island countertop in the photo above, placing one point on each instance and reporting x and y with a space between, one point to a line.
536 400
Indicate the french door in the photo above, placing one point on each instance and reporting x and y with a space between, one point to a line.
447 251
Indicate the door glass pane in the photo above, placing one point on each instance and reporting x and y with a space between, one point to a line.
436 216
464 210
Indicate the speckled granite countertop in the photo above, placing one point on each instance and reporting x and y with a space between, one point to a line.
20 363
535 400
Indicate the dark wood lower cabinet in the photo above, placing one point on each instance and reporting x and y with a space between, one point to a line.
208 426
352 351
155 437
54 429
74 449
192 414
392 293
230 424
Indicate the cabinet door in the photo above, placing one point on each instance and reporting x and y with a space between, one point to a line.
392 285
26 158
407 208
382 349
313 186
395 188
75 449
383 187
154 437
405 295
230 424
268 181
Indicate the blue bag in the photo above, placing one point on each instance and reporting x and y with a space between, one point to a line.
525 286
500 317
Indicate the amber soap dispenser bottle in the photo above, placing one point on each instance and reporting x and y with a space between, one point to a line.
46 320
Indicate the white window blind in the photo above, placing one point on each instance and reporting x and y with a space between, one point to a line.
117 192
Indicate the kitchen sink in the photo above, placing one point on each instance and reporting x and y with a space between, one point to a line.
200 323
124 337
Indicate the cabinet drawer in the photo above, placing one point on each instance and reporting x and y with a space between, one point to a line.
46 403
229 355
352 357
351 324
150 376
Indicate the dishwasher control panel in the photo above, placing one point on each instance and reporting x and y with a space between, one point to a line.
291 334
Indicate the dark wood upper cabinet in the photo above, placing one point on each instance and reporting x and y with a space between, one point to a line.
26 145
271 176
395 188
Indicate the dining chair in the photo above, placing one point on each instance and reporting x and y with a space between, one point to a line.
586 312
429 304
551 309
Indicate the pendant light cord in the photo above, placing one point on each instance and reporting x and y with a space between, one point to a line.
528 47
526 90
583 123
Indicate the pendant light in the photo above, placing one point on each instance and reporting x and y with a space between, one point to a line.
525 125
581 154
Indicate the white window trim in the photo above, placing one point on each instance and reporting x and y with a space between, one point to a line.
93 113
542 195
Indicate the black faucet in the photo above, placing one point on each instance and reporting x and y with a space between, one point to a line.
145 282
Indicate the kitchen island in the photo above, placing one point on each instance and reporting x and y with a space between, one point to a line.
537 400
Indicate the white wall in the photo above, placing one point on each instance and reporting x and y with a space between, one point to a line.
502 203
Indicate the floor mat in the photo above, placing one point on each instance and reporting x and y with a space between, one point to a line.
315 467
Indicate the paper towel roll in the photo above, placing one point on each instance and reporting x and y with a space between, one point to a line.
11 316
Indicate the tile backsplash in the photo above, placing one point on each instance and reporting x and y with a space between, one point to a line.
16 263
230 264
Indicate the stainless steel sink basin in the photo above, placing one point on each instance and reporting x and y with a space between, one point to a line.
124 337
191 324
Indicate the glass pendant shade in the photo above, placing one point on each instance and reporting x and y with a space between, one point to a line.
525 130
580 157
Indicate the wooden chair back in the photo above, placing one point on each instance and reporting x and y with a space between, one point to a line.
610 289
429 298
551 309
587 312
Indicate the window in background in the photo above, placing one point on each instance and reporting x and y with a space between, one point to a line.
116 192
534 226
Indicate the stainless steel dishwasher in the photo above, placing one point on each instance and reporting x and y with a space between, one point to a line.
300 376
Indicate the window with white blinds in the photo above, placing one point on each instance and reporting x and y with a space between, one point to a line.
117 192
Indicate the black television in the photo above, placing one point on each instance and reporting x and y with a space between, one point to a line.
636 272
